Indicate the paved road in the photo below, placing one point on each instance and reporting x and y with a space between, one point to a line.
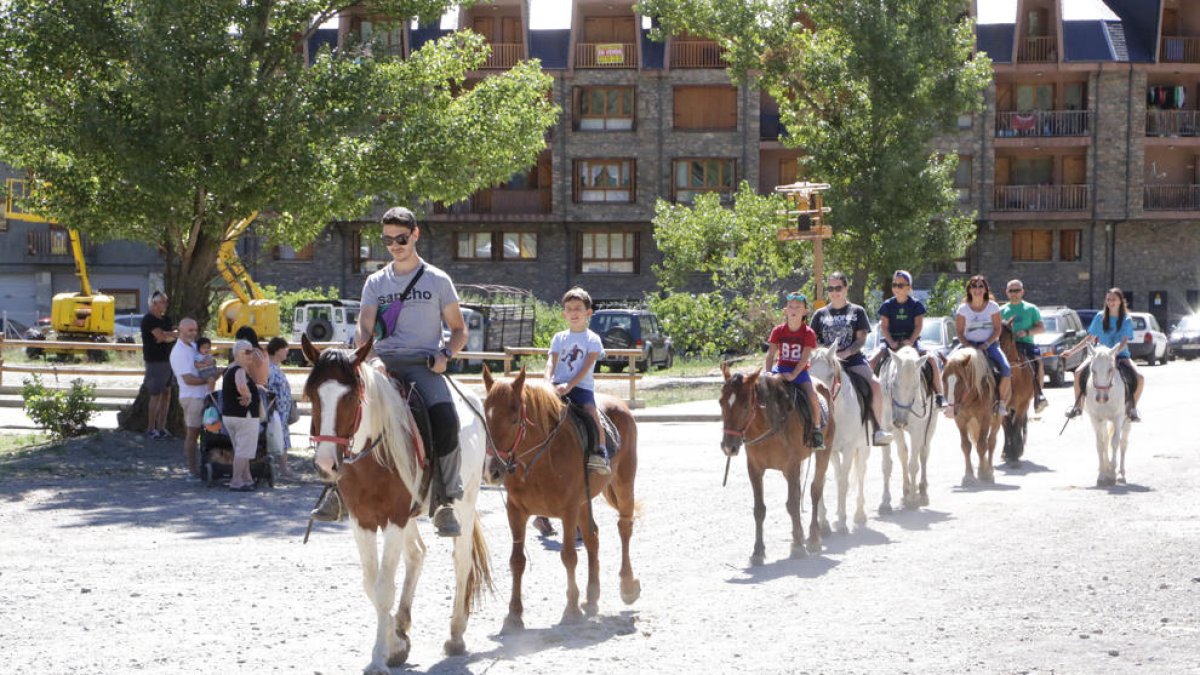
140 571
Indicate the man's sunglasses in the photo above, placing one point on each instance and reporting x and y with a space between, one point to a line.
1016 290
834 289
399 240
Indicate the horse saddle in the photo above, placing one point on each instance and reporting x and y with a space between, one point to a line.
585 430
862 389
800 404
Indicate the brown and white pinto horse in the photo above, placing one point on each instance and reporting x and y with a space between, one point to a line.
366 441
971 393
757 412
537 455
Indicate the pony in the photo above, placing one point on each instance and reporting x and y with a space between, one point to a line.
365 442
1104 402
538 457
851 445
1024 372
913 416
970 391
758 412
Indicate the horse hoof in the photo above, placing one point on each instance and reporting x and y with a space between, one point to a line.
455 647
591 609
884 510
923 500
798 552
631 591
757 559
1120 480
512 624
398 658
911 504
813 546
571 615
826 530
377 669
842 529
969 481
860 519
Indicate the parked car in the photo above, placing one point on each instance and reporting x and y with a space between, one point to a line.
633 329
1063 329
1149 342
325 320
127 327
1185 337
937 336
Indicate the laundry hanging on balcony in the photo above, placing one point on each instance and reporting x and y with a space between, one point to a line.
1024 122
1166 98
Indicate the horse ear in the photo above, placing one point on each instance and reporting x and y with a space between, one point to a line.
725 371
310 352
487 378
519 381
363 350
752 378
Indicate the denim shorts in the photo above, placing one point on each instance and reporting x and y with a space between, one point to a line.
582 397
800 379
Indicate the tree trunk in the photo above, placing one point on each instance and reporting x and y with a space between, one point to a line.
189 279
858 286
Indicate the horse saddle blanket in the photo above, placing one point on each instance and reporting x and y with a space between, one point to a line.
585 429
1130 377
420 413
800 403
862 389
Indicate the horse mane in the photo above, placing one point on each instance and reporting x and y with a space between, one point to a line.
542 403
828 356
392 424
974 369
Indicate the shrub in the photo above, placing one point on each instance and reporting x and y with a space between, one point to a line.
548 320
945 296
288 299
61 413
709 324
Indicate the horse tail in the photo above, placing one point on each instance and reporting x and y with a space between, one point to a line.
479 578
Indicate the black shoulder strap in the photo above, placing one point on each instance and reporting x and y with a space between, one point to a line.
413 282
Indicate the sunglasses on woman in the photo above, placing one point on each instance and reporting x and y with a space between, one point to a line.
899 284
978 286
834 289
398 240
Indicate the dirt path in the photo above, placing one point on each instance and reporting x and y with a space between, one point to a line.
111 562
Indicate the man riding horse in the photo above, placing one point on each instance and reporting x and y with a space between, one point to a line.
1026 321
404 305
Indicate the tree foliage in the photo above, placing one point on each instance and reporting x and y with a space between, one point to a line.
865 87
164 122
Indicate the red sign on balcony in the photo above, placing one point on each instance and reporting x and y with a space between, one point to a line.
610 54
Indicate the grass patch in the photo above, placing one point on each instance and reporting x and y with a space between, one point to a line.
13 445
660 396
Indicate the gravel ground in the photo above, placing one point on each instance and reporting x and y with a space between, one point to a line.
110 561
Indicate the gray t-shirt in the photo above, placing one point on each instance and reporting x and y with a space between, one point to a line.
573 349
411 326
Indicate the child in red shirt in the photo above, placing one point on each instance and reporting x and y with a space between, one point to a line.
790 346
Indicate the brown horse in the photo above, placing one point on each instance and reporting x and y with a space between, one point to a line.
365 442
538 457
971 393
1024 372
757 412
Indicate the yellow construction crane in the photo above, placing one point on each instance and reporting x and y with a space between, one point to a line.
249 307
83 316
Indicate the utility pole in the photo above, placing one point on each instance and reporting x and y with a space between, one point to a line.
806 215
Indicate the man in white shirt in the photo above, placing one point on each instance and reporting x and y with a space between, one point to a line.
192 390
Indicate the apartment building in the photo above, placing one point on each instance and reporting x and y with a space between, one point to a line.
1084 170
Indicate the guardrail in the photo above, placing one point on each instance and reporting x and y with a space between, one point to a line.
507 358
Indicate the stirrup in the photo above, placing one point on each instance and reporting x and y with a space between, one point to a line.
1134 416
598 465
939 401
446 521
330 510
818 440
881 437
1073 412
1001 409
1040 403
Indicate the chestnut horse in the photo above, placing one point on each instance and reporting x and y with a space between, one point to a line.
757 412
971 393
365 441
538 457
1024 371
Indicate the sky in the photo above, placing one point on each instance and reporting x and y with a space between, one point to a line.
1005 11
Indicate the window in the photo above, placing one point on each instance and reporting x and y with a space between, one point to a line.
1070 245
614 252
125 301
1033 171
604 180
962 178
60 241
385 38
604 108
372 254
965 121
1035 97
705 108
1032 245
696 176
287 253
478 246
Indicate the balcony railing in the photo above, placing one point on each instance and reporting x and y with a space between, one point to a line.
1038 49
1175 49
1171 198
1173 122
1041 197
505 55
697 54
1043 123
606 55
53 243
509 202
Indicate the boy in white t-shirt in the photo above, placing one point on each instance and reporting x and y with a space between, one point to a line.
573 356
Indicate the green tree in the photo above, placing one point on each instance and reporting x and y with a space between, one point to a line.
165 122
865 94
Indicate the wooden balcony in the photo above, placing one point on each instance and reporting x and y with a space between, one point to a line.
697 54
1043 49
1041 197
1172 123
606 55
503 202
1044 123
504 55
1171 198
1178 49
53 244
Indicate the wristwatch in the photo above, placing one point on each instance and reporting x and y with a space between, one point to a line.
446 353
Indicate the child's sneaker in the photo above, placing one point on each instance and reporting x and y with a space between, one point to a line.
939 401
598 465
818 440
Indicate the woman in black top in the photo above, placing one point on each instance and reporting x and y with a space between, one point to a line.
241 404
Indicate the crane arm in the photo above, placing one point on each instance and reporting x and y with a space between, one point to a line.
85 286
230 265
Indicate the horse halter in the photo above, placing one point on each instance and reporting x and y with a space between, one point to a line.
1102 390
509 458
344 443
741 433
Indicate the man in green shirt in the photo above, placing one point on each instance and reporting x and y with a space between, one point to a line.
1026 322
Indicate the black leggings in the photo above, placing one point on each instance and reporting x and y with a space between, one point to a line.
443 426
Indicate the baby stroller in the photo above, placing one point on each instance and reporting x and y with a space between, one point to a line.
216 447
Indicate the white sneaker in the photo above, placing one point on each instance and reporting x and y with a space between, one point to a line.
882 437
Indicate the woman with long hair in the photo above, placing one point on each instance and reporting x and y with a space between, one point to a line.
1112 328
978 325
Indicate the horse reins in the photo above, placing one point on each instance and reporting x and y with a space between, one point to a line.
511 458
754 408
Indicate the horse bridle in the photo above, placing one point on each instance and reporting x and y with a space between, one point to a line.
509 459
345 443
741 433
1102 390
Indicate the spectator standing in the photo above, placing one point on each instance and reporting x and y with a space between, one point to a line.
241 402
277 385
157 335
192 390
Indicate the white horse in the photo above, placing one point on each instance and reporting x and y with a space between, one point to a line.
850 445
1104 402
913 415
365 441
